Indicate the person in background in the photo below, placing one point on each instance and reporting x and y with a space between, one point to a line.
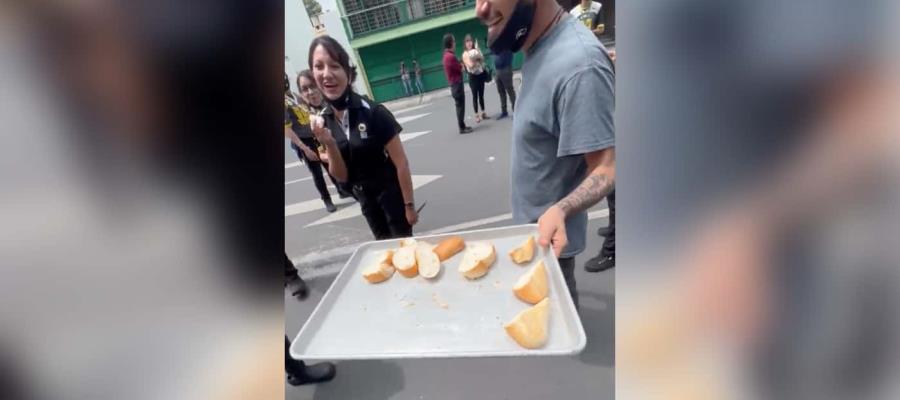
474 62
362 141
296 129
418 73
311 99
563 137
453 72
588 13
404 77
503 64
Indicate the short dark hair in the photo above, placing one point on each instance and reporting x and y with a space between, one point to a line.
448 40
336 52
305 74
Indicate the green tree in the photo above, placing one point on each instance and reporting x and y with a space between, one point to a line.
312 7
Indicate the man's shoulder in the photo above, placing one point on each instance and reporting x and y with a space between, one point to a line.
575 46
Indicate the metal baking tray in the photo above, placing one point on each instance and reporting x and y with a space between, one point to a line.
447 317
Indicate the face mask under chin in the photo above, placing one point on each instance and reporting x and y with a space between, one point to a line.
341 102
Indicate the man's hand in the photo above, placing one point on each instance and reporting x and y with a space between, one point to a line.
552 230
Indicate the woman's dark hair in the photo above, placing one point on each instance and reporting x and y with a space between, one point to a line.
287 83
305 74
336 52
448 40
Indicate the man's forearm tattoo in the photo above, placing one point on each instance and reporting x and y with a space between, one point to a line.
588 193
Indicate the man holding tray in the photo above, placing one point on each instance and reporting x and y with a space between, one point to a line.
563 157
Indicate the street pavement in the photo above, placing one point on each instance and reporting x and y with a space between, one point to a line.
465 181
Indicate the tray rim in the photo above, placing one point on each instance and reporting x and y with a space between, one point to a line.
581 337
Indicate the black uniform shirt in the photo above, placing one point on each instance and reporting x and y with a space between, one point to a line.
370 127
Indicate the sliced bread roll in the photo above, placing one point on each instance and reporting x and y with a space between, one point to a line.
407 242
428 262
477 260
532 286
529 327
404 260
449 247
525 252
382 270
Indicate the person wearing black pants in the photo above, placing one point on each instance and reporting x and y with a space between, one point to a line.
473 60
362 141
296 128
503 63
381 202
298 373
453 72
459 98
607 257
567 266
476 84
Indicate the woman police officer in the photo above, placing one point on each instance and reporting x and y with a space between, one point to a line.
363 145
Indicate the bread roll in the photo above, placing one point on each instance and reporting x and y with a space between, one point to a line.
529 327
477 260
524 253
449 247
382 270
532 286
428 262
404 260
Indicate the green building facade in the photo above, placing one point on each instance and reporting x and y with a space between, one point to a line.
383 33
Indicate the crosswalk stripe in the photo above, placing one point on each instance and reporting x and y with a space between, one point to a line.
412 135
403 120
354 210
411 108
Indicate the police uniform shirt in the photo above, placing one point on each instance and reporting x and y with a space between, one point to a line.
366 128
590 17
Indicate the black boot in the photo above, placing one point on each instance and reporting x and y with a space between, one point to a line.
329 205
316 373
600 263
297 287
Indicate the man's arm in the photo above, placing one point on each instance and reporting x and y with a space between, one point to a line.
599 182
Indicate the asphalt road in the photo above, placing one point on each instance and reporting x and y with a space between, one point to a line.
465 181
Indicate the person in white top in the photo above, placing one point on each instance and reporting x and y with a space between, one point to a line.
474 62
588 12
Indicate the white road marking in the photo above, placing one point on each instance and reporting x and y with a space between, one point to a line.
354 210
312 205
599 214
403 120
298 180
292 165
403 138
470 224
412 135
412 108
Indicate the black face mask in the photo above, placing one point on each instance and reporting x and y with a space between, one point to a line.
342 102
516 30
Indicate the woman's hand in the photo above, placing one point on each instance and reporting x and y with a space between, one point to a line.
411 215
322 134
310 154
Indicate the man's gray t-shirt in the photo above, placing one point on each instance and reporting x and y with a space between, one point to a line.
565 110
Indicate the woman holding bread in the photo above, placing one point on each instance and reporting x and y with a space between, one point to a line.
362 141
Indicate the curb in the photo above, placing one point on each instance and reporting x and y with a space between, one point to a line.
444 92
